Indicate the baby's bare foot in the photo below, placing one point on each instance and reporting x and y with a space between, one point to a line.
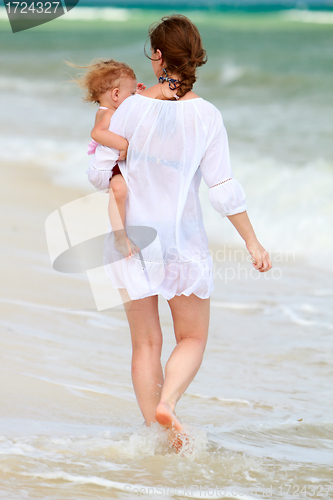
133 248
126 247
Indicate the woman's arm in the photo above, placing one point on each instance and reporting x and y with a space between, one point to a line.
101 133
242 224
226 195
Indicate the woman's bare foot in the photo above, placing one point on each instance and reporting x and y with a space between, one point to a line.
166 417
126 247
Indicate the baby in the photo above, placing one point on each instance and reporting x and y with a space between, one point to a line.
109 83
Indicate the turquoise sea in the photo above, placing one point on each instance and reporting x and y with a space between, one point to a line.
259 411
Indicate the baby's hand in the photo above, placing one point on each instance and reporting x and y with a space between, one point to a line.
122 154
140 87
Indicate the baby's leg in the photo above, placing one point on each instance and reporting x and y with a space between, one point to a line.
117 213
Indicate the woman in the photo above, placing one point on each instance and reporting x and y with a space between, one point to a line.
175 137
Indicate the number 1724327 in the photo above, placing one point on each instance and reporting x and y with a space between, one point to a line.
32 8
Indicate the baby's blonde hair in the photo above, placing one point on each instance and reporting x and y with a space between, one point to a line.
102 76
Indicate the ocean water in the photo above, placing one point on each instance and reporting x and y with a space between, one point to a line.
271 76
259 414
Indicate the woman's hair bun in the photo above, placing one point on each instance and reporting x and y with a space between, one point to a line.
180 43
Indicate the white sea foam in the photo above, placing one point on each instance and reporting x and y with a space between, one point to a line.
228 401
308 16
323 293
301 448
3 14
297 319
109 320
93 389
134 444
142 489
290 207
294 312
66 161
231 72
98 14
308 308
235 305
37 86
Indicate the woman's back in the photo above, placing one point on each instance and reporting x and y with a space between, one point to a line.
168 141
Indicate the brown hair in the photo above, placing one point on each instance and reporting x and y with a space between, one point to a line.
102 76
180 43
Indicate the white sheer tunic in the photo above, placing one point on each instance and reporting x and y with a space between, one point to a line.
172 144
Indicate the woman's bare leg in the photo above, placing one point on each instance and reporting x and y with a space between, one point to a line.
146 335
191 322
157 399
117 214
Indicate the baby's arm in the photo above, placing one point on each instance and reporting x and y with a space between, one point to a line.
101 133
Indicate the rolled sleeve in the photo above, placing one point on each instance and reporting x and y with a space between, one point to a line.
228 198
226 194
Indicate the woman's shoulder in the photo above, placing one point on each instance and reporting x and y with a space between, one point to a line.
209 106
209 111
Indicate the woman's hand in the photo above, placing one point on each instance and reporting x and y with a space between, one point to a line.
260 257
